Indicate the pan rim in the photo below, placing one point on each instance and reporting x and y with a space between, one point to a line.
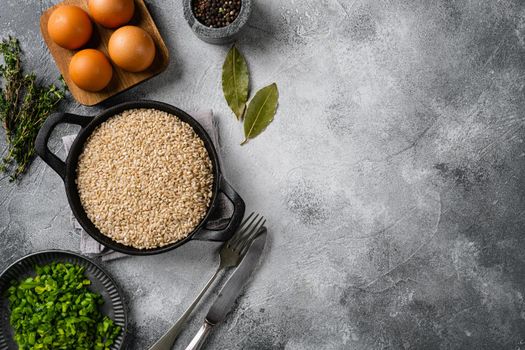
77 148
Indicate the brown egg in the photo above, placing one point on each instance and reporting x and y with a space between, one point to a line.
90 70
69 26
112 13
131 48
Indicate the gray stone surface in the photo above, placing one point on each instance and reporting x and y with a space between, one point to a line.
392 177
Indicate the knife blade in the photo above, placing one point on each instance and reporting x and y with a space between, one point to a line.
231 291
236 282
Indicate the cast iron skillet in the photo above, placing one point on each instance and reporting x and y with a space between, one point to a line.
67 171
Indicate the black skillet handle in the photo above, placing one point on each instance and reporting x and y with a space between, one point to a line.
45 132
239 207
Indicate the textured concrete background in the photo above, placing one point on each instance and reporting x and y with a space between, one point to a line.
392 177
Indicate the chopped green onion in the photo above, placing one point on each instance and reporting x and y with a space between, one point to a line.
55 310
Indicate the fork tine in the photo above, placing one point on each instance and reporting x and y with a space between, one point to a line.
245 232
242 229
245 221
249 239
249 233
247 218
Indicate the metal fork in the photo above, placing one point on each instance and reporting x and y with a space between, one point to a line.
231 255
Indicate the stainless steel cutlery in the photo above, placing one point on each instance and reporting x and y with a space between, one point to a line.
231 254
229 293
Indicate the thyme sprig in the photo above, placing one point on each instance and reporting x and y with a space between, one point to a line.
24 106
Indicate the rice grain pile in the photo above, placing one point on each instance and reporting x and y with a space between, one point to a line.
145 178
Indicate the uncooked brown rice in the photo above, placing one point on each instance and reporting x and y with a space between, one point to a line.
145 178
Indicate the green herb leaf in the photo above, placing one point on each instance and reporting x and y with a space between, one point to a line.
261 111
25 104
235 81
50 311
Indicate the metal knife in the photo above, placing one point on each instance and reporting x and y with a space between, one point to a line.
229 293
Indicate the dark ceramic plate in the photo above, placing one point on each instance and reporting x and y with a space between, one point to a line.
101 283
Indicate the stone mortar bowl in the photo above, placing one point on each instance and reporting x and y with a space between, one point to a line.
222 35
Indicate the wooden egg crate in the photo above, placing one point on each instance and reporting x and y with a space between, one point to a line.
121 80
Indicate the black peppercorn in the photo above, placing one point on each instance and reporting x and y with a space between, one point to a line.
216 13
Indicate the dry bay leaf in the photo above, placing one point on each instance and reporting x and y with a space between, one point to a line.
235 81
261 111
